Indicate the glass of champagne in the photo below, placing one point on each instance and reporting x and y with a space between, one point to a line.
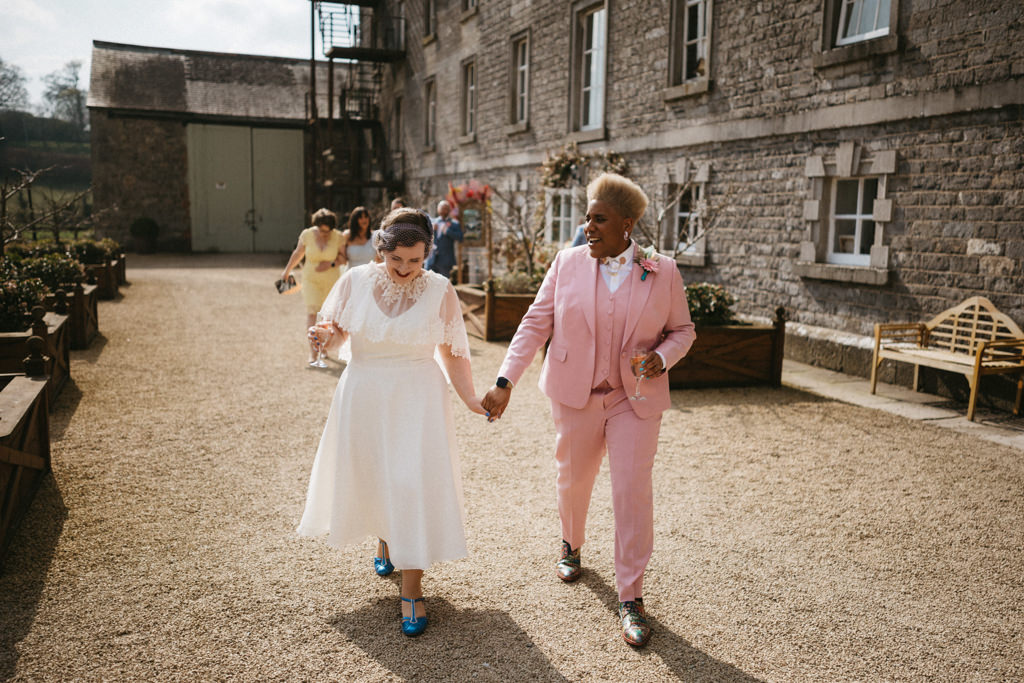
322 323
636 357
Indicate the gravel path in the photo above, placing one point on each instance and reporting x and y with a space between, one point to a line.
797 539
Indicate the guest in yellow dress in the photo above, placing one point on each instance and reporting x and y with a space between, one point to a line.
324 248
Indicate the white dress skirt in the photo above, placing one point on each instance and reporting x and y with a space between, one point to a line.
387 465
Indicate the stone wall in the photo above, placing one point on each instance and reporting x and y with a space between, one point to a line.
944 92
140 170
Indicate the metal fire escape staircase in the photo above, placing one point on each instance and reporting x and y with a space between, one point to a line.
352 152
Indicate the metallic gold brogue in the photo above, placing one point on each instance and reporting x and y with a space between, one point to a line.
568 568
635 629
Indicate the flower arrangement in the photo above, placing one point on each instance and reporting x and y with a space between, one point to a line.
647 259
710 304
561 170
474 190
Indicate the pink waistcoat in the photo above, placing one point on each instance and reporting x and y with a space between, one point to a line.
610 322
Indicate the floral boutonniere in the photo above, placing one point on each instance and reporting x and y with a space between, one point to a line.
647 259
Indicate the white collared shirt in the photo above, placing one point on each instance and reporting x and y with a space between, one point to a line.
614 281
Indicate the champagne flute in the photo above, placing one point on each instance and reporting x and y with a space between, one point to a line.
636 357
322 322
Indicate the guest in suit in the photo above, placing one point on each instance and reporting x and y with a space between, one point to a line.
447 232
597 303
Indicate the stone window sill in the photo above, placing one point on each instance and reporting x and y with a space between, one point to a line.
691 260
861 275
428 39
467 139
856 52
427 149
588 135
517 128
688 89
469 13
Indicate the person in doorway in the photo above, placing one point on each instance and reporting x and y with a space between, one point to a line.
447 232
358 245
387 464
323 247
607 308
397 203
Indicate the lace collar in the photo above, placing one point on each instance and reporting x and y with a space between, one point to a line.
391 292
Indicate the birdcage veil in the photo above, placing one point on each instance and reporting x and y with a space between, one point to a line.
404 227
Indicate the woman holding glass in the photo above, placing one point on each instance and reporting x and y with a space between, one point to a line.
606 306
324 250
387 465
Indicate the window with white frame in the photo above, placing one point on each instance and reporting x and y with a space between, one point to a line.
468 5
691 20
430 113
520 80
847 214
590 50
562 216
685 226
861 20
469 98
851 225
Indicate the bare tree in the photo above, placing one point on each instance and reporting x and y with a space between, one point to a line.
704 213
63 98
522 221
13 94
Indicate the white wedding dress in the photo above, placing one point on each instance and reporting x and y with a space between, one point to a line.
387 465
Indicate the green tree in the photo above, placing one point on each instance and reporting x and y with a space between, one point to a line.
13 94
63 99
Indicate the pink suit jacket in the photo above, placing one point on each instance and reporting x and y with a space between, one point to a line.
565 311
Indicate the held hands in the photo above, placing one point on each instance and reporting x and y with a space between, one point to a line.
475 406
323 265
495 401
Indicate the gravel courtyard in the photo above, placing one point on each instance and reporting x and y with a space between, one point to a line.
797 539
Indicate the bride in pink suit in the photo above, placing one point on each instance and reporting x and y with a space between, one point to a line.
598 304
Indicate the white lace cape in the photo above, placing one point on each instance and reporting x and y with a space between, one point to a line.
364 301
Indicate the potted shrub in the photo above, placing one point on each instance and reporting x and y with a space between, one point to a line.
62 277
728 352
21 294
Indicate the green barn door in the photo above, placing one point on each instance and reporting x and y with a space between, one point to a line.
277 184
245 186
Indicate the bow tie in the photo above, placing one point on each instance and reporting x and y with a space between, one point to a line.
614 264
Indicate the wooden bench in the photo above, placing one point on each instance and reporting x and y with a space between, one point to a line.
974 339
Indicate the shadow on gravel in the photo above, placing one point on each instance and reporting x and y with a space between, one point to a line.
23 575
64 407
683 399
458 644
91 354
686 661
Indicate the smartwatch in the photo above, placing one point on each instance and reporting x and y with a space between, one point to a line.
503 383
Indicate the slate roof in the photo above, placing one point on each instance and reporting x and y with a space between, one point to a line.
194 84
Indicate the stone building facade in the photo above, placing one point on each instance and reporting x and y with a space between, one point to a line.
864 172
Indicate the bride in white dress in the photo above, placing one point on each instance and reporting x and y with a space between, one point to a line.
387 465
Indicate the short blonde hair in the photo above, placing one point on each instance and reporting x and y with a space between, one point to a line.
622 193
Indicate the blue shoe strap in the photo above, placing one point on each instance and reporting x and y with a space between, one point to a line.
411 619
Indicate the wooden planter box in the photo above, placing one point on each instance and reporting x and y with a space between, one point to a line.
105 277
733 355
82 309
492 316
54 330
24 449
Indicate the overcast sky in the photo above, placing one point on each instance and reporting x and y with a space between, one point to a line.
40 36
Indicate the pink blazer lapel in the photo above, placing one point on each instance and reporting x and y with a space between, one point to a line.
639 292
586 284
